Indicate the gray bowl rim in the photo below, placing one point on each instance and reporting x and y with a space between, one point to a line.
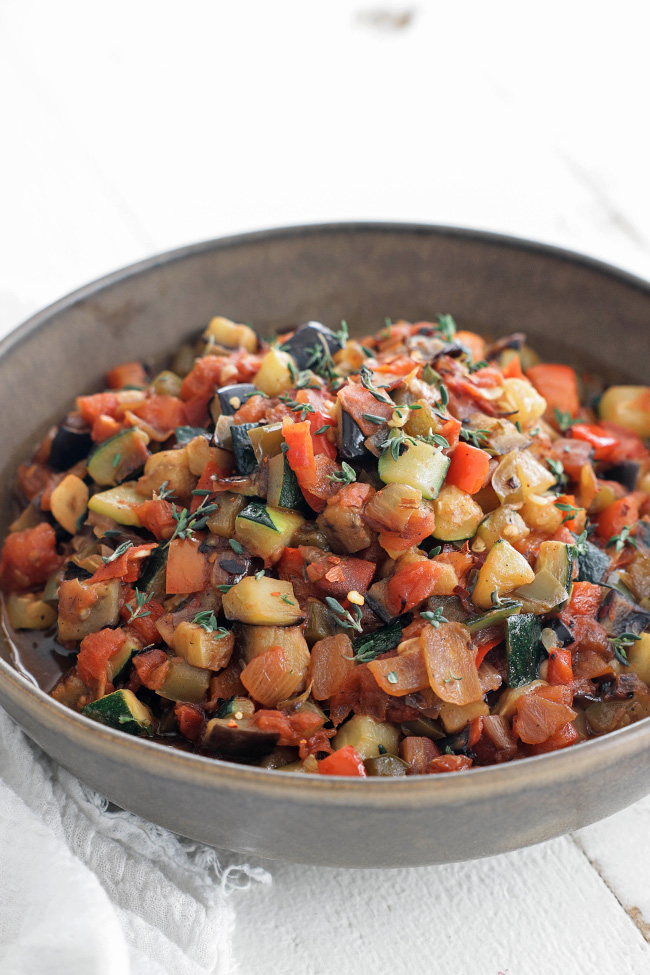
506 779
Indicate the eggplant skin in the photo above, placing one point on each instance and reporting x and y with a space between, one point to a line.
308 337
232 397
618 615
71 444
351 439
625 473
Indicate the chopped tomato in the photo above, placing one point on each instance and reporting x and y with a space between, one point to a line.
450 763
572 454
157 517
356 400
252 410
187 567
126 566
562 738
28 558
211 471
616 516
575 522
469 468
345 761
484 649
629 446
152 668
411 584
419 526
143 625
513 368
208 374
560 667
105 427
337 575
300 454
94 654
604 443
558 385
191 721
475 343
292 728
92 407
127 374
163 413
585 599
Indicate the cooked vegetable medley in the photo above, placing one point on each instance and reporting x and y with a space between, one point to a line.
413 553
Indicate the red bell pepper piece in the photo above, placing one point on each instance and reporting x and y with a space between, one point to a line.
346 761
560 667
603 442
469 468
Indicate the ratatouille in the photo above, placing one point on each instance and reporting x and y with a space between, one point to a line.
412 553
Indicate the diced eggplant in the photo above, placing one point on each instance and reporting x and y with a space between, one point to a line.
72 443
244 451
620 615
184 682
351 438
230 398
153 576
626 473
103 600
423 727
309 337
385 765
185 434
238 738
563 634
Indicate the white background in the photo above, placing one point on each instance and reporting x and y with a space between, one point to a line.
128 128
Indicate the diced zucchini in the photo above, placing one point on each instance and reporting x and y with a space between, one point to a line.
221 521
200 453
421 466
593 562
255 640
277 373
523 648
542 595
171 468
119 456
638 655
386 765
264 601
509 607
636 576
184 682
224 332
320 623
237 738
557 558
85 607
366 735
505 523
166 383
283 490
267 440
69 502
27 612
457 514
245 459
121 710
118 663
265 531
118 503
504 569
202 648
456 716
154 575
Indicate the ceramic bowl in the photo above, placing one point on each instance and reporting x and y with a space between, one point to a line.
573 309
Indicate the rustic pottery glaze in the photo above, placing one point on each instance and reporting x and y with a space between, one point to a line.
573 309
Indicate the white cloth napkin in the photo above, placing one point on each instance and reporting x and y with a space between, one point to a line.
89 891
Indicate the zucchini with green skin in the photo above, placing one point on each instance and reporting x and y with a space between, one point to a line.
541 595
419 464
557 558
153 575
267 440
523 648
118 503
371 645
283 490
265 531
245 459
506 608
386 765
118 663
593 563
123 711
185 434
119 456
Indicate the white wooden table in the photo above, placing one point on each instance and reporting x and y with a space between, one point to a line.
129 128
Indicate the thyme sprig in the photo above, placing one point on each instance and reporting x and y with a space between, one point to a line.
474 437
348 620
434 617
619 645
208 622
345 476
623 538
139 611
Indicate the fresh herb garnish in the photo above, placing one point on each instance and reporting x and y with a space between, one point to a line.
138 611
285 599
475 366
435 551
570 509
343 335
116 460
397 443
373 418
366 381
474 436
435 439
236 546
430 376
188 522
557 469
434 617
447 327
258 575
349 621
345 476
623 538
451 678
564 419
208 622
225 588
323 429
619 644
518 426
120 550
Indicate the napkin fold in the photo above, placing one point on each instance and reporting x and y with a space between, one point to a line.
88 889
